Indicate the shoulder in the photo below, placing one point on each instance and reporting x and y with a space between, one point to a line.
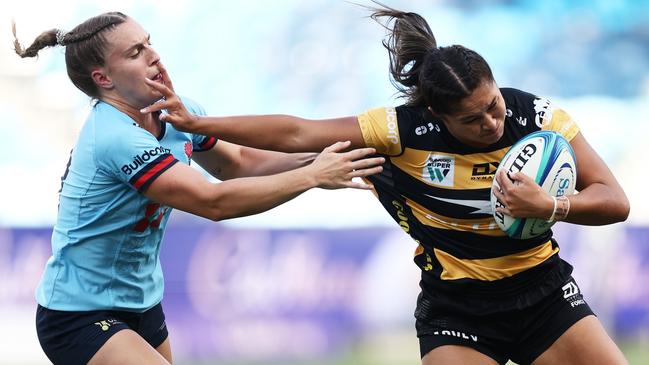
518 100
193 106
526 109
115 132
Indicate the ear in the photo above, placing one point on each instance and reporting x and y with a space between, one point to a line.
438 116
435 115
101 79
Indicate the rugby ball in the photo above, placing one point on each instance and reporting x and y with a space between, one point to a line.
546 157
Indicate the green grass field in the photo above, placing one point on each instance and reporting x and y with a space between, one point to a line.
637 353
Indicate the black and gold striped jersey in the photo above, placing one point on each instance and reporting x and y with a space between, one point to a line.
438 190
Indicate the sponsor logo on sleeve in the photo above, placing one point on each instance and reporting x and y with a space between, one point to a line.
391 119
144 158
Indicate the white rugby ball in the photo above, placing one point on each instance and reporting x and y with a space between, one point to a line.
546 157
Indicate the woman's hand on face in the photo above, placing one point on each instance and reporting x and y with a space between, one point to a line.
175 111
333 169
522 196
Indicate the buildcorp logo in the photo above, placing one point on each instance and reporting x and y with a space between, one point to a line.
143 158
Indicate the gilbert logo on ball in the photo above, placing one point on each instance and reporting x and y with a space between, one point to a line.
546 157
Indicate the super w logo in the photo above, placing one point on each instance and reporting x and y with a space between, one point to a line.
439 170
437 173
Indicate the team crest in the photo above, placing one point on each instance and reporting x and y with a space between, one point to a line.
543 110
439 170
188 150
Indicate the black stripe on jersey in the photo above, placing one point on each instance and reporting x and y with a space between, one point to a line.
421 192
468 245
206 144
163 129
461 244
153 169
385 178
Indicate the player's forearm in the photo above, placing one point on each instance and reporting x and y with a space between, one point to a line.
255 162
270 132
598 205
252 195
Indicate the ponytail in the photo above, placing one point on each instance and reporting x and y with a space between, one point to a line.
45 39
427 75
85 48
408 42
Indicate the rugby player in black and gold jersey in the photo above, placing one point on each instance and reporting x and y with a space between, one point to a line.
485 298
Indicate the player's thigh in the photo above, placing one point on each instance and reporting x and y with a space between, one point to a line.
586 342
126 347
165 350
453 354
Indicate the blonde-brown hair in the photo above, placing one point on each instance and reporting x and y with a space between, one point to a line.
85 48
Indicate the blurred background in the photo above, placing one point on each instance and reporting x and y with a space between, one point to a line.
327 278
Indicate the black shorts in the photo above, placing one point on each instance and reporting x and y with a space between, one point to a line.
74 337
519 335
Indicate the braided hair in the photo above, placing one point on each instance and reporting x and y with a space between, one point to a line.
85 46
425 74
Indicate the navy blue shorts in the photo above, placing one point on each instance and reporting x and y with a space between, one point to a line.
75 337
519 335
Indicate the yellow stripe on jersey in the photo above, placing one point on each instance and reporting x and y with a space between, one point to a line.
482 226
561 122
495 268
473 171
380 130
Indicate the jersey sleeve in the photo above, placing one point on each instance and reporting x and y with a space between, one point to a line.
554 119
134 156
200 142
380 129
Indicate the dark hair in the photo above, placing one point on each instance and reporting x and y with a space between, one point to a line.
425 74
85 46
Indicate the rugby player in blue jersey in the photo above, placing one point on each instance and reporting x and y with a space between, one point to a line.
99 299
485 298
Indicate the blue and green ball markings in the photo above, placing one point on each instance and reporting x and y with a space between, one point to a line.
546 157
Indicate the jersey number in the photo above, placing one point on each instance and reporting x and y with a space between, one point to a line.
152 217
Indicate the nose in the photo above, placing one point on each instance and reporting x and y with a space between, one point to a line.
489 123
154 58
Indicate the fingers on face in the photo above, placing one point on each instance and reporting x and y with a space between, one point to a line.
164 90
165 75
156 107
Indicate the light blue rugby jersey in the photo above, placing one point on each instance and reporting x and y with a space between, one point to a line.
106 241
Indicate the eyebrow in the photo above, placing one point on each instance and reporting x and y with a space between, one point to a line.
137 45
470 117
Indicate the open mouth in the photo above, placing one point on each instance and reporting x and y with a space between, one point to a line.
158 78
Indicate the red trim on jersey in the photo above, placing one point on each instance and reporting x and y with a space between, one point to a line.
206 144
161 165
